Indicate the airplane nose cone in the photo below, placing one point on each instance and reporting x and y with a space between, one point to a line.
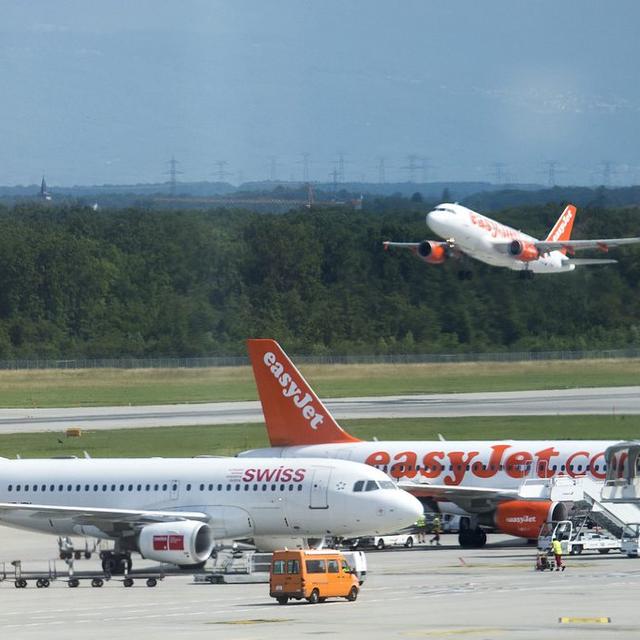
432 218
404 509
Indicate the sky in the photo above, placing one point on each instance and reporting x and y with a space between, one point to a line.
500 90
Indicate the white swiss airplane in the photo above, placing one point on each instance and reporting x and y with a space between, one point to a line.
175 510
477 479
466 232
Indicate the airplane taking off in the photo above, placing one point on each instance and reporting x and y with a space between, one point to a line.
175 510
478 480
466 232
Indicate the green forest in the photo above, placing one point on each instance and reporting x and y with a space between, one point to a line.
135 282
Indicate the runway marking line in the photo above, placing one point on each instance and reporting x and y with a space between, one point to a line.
439 633
575 620
252 621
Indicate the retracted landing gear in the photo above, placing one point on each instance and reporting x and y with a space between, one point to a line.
472 538
116 563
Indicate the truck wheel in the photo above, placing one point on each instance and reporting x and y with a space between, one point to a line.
282 599
128 582
151 582
353 594
73 582
314 598
409 542
578 549
380 544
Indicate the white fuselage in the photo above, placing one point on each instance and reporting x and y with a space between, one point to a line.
243 498
473 463
479 236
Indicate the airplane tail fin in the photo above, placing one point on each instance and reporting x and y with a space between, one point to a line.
563 226
294 415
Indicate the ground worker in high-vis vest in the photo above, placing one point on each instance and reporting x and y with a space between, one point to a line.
556 546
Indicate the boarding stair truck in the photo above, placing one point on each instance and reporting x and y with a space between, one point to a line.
614 504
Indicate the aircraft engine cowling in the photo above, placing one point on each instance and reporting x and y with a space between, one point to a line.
184 542
524 518
432 252
523 251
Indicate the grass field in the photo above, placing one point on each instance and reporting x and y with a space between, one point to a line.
66 388
230 439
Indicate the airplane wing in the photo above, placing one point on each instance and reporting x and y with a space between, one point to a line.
472 499
107 520
603 244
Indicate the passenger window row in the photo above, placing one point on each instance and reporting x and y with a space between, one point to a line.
60 488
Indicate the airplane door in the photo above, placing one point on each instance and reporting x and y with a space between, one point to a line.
318 498
175 489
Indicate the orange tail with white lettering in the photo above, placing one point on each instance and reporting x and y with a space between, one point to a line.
563 226
294 415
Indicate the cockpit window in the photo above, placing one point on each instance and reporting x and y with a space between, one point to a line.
372 485
447 209
359 485
387 484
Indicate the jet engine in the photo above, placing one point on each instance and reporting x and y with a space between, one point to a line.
183 542
523 251
432 252
524 518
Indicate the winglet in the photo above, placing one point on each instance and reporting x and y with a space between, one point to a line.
294 415
564 224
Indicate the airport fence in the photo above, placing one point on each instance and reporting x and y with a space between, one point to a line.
239 361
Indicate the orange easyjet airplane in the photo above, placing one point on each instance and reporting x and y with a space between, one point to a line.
477 479
466 232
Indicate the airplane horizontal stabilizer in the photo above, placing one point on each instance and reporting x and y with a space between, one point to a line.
585 261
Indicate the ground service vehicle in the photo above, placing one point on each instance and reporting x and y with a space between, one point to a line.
311 574
380 542
575 542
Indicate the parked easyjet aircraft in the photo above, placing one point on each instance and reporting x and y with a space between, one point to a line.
477 479
174 510
466 232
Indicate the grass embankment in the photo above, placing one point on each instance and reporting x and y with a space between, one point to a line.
230 439
95 387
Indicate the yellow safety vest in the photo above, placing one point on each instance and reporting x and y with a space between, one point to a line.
557 547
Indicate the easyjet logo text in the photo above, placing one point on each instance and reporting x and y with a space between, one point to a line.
298 397
520 519
279 474
501 458
564 221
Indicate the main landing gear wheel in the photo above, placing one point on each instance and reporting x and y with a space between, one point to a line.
472 538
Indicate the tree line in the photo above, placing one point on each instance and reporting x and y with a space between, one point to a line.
134 282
